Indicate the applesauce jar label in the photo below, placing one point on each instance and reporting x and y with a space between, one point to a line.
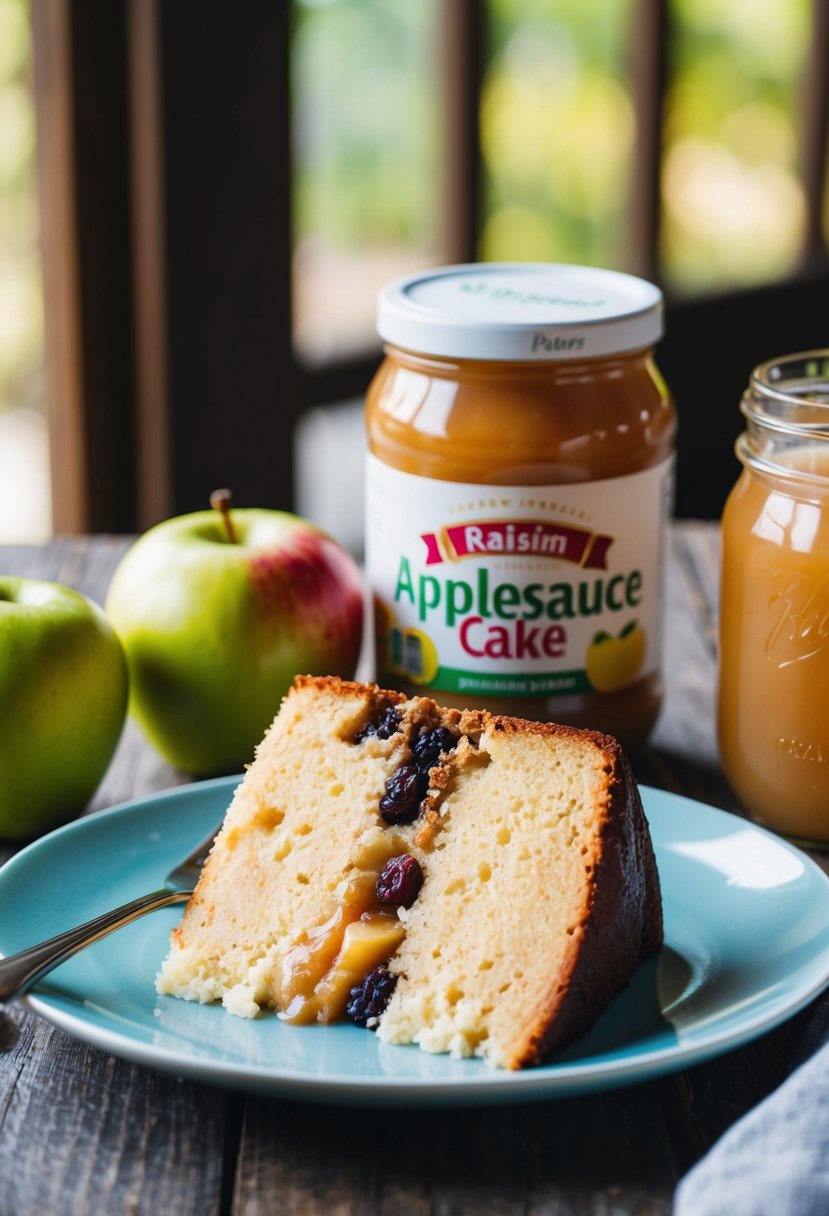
517 590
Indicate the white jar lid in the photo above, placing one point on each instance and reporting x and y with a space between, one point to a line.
520 311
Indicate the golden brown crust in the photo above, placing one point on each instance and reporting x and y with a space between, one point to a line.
549 730
620 918
470 721
622 925
348 688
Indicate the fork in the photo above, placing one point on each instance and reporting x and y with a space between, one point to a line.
18 972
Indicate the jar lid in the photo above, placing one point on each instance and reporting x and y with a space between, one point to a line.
520 311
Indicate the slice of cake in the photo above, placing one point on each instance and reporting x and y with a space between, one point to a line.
475 884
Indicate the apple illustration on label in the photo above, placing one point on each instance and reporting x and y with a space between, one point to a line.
614 662
63 700
218 611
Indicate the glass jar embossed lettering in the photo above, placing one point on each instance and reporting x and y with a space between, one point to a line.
773 718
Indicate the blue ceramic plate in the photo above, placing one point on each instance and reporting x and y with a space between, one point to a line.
747 944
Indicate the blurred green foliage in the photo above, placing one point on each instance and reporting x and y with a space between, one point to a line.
557 135
366 156
733 200
367 167
557 132
21 304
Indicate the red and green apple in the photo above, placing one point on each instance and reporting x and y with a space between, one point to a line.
217 612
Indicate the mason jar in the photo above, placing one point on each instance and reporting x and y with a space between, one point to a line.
773 714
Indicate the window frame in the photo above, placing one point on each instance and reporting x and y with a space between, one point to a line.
154 263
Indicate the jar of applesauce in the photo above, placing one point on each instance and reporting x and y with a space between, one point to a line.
774 603
519 479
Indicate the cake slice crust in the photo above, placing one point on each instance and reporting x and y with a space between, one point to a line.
529 928
539 894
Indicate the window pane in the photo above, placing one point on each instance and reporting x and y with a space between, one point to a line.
557 131
367 161
733 202
25 508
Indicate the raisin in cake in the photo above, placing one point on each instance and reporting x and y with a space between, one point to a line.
475 884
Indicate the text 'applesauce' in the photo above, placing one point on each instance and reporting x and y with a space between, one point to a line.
519 479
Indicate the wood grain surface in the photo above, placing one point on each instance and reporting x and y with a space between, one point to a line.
82 1132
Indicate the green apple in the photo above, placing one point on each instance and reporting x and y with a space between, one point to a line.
217 612
63 700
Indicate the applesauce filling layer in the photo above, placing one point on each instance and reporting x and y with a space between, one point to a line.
363 927
324 951
313 980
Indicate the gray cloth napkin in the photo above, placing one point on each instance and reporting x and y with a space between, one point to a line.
775 1160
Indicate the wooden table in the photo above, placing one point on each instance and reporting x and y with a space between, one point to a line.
83 1132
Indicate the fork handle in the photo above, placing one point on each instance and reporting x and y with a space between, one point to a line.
18 972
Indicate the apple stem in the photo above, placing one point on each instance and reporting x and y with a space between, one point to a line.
220 500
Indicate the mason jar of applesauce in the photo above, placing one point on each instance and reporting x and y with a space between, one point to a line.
520 473
773 717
